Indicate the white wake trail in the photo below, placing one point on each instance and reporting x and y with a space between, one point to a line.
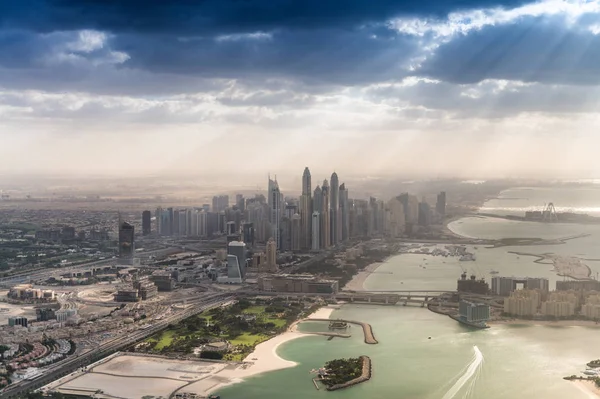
471 370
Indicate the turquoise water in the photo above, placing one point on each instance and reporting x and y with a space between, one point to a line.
519 361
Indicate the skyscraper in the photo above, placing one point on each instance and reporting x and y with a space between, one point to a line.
395 218
158 217
316 239
440 205
296 232
126 241
306 210
334 205
344 215
146 223
271 256
274 198
424 213
325 216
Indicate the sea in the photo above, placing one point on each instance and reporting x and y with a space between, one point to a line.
423 355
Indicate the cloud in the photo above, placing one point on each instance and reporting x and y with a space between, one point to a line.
487 99
530 49
218 17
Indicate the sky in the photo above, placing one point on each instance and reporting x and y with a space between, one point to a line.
441 88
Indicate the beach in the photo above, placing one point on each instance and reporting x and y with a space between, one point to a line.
264 358
588 387
556 323
358 281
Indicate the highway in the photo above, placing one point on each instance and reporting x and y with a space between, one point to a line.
37 274
73 363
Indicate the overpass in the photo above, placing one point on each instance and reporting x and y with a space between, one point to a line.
383 297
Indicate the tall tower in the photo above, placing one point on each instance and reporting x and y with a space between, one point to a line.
344 225
126 239
271 256
316 242
335 206
325 216
306 210
146 223
296 232
274 199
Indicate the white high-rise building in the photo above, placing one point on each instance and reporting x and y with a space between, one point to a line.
275 210
334 206
306 210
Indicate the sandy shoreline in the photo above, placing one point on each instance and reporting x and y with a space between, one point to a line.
557 323
264 358
588 387
358 281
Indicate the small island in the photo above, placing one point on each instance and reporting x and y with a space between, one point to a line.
343 373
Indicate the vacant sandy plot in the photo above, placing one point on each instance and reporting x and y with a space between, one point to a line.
140 366
126 387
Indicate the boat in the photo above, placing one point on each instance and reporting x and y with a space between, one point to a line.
494 272
590 372
467 257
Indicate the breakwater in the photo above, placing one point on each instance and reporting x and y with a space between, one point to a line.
367 329
364 377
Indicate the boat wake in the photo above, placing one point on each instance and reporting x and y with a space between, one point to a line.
470 374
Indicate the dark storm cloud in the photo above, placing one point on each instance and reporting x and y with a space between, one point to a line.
217 16
547 50
315 56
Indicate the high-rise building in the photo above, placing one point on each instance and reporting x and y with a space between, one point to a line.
316 239
126 240
271 255
334 206
296 233
424 213
182 232
306 210
275 211
325 216
395 218
440 205
240 202
504 286
472 312
146 223
237 250
176 220
158 218
344 213
248 233
171 220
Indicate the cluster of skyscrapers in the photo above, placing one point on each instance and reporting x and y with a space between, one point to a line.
320 218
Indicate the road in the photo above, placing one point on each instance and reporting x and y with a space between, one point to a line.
34 275
73 363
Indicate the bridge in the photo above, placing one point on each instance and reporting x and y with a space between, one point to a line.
380 297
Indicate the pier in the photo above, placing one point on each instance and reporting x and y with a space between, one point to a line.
367 330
